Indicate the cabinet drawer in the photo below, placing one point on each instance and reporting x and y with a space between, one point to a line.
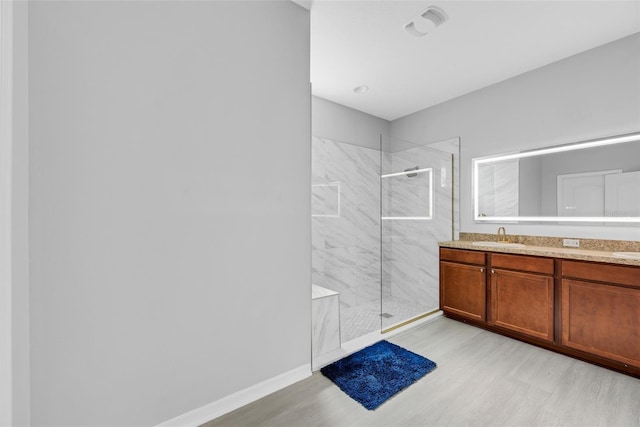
461 255
522 263
617 274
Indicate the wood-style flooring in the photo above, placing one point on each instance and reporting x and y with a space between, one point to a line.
482 379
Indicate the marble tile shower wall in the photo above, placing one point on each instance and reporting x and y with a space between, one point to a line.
346 220
410 251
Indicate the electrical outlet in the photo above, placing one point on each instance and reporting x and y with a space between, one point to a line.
571 243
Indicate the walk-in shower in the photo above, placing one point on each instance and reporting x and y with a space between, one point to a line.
377 218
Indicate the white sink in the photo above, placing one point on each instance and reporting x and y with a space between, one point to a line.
499 244
627 255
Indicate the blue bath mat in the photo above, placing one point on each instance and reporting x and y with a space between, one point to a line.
374 374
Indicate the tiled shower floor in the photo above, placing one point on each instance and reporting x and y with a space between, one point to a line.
365 318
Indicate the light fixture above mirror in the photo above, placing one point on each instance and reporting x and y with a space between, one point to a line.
590 182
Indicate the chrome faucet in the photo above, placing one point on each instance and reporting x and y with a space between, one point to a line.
502 235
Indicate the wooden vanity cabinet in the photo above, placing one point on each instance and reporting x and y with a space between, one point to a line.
585 309
522 294
601 310
463 284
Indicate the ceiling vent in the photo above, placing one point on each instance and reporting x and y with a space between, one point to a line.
426 22
435 15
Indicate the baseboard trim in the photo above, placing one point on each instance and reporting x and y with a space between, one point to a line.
236 400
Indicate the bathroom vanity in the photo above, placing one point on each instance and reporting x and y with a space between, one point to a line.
583 303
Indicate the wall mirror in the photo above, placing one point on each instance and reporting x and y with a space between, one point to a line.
596 181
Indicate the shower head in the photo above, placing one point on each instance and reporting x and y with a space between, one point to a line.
414 174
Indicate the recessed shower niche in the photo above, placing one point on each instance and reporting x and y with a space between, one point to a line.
376 219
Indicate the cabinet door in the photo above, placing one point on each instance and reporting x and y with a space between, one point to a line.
463 290
522 302
602 320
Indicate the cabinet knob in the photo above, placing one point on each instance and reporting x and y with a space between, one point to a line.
481 269
493 271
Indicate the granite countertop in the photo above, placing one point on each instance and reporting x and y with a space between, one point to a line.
604 253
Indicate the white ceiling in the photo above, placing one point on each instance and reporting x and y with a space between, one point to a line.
356 43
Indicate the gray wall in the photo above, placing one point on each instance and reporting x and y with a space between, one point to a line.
592 94
19 217
344 124
170 205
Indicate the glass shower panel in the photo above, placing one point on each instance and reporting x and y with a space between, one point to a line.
417 212
415 186
346 233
